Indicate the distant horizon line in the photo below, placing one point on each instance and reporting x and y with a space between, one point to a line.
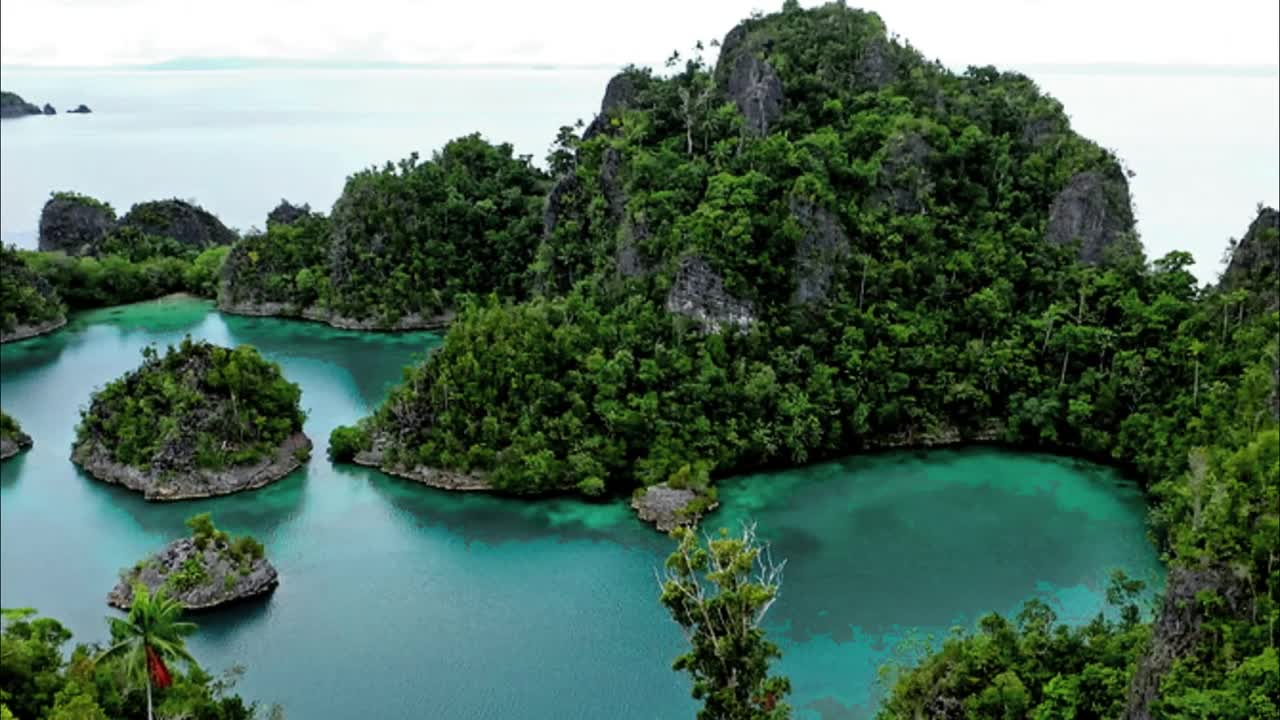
213 64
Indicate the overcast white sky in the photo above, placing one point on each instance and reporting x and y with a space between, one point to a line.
1008 32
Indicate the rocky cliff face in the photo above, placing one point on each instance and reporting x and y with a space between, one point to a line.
748 79
822 249
1093 209
74 225
287 213
904 181
1255 259
618 95
698 293
1179 628
191 225
222 577
11 445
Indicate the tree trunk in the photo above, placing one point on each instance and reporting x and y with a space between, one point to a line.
149 716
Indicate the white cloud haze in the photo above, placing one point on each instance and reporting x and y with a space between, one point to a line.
113 32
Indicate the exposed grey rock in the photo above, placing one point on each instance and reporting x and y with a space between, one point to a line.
22 332
744 75
615 194
668 508
1040 130
228 579
287 213
1255 259
904 173
628 256
14 444
189 224
823 247
413 321
698 292
563 189
757 90
1178 628
877 64
618 95
157 484
432 477
80 109
73 224
49 110
1093 210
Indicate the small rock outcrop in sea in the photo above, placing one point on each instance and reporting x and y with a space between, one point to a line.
1179 626
191 225
286 213
823 247
203 571
12 439
669 508
13 106
1094 210
750 81
198 421
74 223
80 109
49 109
698 292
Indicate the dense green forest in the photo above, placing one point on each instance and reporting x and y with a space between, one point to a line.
196 406
38 681
26 298
826 243
404 242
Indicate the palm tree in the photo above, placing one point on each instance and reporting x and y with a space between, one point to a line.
149 637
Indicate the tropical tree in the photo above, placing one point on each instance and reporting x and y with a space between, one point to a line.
719 595
150 637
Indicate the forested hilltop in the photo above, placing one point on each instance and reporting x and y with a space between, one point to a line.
89 258
826 243
404 242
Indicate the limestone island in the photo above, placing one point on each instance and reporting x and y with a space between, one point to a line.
208 569
402 246
198 421
12 439
29 305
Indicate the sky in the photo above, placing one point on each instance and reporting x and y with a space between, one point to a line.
592 32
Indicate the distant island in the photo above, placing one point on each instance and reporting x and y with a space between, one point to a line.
198 421
13 106
207 569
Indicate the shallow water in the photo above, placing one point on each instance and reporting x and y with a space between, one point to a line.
398 601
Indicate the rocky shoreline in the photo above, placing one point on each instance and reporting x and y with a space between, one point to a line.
11 446
314 314
222 577
94 459
431 477
23 332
